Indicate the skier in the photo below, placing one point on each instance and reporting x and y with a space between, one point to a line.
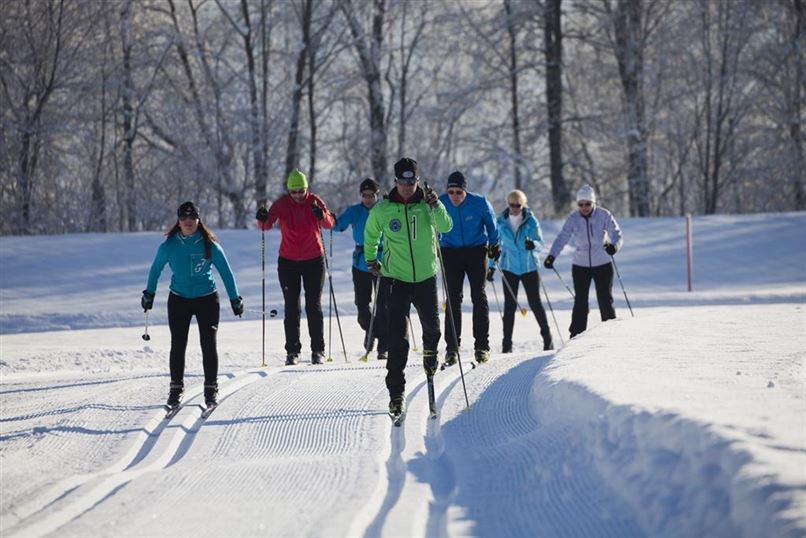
363 281
521 239
474 237
302 214
597 236
191 249
409 219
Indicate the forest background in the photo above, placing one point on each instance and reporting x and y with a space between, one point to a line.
113 112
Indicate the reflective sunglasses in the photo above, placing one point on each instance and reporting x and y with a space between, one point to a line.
188 217
584 204
297 191
455 192
368 195
515 206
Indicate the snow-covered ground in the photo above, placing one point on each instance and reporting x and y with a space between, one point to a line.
688 419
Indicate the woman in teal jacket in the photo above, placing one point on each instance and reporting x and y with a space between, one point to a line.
192 250
521 240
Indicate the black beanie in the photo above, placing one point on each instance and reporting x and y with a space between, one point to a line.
369 184
457 179
407 171
188 209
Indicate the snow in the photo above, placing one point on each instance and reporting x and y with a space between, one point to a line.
684 420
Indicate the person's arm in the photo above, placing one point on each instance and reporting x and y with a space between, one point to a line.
221 263
614 231
328 220
537 234
372 234
563 237
442 219
274 214
157 266
491 224
345 219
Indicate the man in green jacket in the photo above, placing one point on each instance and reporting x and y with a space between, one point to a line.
409 220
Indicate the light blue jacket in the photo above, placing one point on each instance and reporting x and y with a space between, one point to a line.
514 256
473 222
356 216
590 234
192 273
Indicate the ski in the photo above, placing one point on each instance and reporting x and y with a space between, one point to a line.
171 411
397 419
207 411
432 401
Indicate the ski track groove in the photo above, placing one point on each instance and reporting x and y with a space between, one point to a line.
105 483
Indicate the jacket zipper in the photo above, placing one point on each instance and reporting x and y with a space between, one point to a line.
590 246
411 247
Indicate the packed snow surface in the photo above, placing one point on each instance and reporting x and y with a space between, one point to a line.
686 419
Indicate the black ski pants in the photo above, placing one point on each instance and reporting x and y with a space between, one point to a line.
311 275
180 312
602 276
363 283
399 298
531 285
470 261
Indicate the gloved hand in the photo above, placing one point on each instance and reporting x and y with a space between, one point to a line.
490 273
147 301
374 268
262 214
548 263
318 212
431 198
494 252
530 245
610 248
237 305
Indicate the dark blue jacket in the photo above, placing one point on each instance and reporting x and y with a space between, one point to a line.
473 222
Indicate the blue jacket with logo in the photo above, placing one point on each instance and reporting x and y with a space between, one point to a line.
356 216
192 273
473 222
514 256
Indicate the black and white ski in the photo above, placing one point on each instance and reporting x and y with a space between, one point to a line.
397 419
207 411
432 401
171 411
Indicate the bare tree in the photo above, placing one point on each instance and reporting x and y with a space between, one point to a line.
553 51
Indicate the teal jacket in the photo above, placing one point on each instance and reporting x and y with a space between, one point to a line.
192 273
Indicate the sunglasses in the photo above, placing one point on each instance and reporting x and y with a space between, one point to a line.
297 191
455 192
368 195
584 204
406 181
188 217
515 206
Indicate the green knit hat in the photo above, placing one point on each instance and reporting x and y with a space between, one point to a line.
296 180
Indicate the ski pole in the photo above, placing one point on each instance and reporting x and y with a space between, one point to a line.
497 302
411 331
333 297
563 282
146 336
329 310
263 287
447 298
522 310
368 338
613 261
272 313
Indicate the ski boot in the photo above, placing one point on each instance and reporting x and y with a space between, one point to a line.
451 357
175 395
506 346
291 359
382 356
397 409
211 395
317 357
482 355
430 362
548 345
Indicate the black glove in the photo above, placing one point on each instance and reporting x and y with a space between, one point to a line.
374 268
237 305
147 301
262 214
548 263
431 198
530 245
490 273
610 248
318 211
494 252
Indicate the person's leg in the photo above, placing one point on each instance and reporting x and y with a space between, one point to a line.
179 316
289 276
380 325
579 315
207 312
362 286
531 285
313 281
476 268
509 309
398 304
455 279
603 280
427 305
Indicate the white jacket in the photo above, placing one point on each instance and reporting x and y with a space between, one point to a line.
590 234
